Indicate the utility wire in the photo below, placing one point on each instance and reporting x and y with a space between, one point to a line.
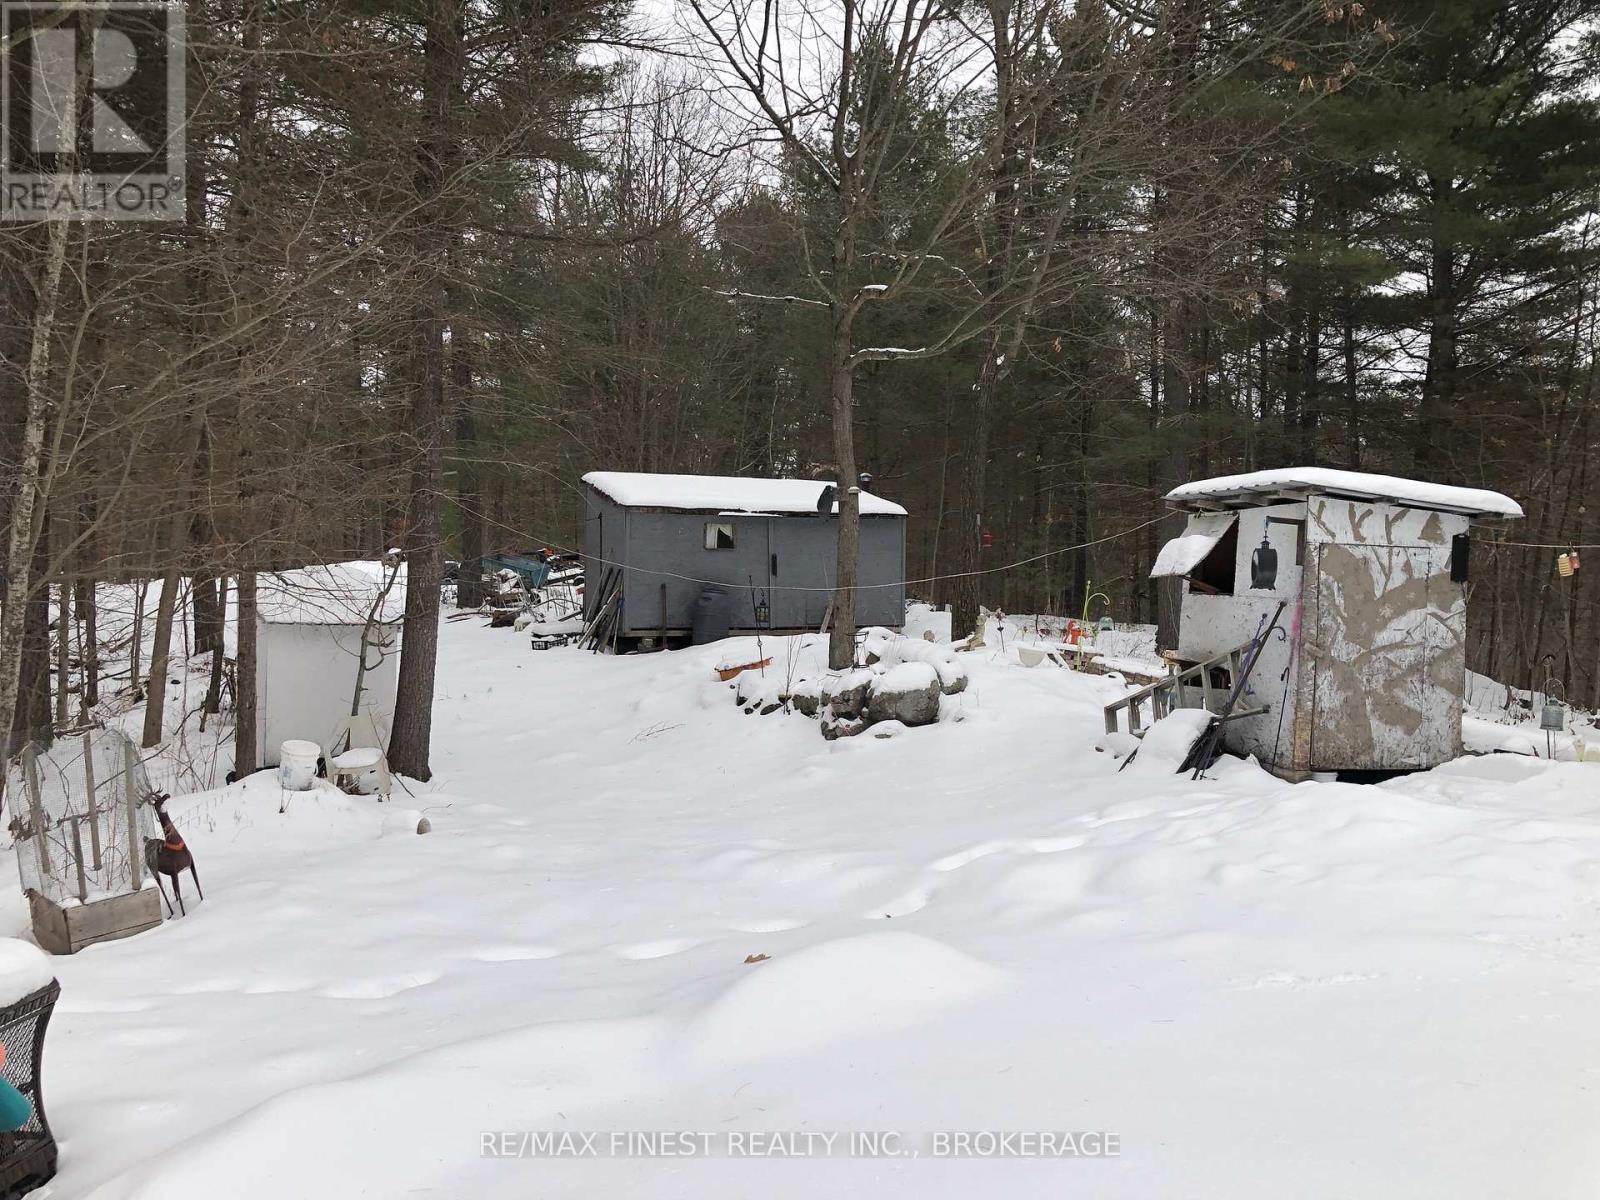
860 587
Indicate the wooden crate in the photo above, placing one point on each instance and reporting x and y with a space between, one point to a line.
66 930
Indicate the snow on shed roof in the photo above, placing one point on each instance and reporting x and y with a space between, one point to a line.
724 493
331 594
1264 486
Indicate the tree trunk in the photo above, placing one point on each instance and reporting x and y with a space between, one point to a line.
1439 380
22 533
469 496
246 754
63 649
842 634
155 694
218 643
966 610
86 606
32 721
411 736
141 589
1174 457
246 751
1352 391
207 628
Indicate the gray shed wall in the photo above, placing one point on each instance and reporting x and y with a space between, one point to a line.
665 555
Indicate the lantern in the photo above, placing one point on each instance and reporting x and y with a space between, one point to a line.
1264 566
985 539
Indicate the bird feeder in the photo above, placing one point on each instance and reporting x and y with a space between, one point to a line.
80 835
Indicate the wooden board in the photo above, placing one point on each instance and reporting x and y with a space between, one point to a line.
66 930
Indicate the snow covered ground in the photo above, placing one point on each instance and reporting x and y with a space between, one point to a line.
1254 989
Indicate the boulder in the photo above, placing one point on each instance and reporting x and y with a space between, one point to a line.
888 649
806 697
834 728
846 694
908 693
952 676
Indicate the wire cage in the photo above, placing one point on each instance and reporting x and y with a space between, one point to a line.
82 816
27 1155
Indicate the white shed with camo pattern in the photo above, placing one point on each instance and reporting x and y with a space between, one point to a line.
1366 670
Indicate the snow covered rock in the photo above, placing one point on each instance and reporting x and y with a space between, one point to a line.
1118 745
908 693
806 696
834 727
860 986
758 692
846 694
885 648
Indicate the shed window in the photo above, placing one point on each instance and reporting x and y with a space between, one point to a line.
719 535
1299 528
1214 575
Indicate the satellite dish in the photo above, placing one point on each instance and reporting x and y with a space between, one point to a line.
825 501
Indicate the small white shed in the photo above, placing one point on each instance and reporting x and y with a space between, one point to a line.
1366 668
309 625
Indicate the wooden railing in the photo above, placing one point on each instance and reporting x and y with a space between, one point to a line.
1167 694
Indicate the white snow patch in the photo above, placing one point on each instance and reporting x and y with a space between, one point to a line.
849 987
725 493
1477 501
1169 740
24 969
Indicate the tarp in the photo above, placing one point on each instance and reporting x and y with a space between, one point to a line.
1186 551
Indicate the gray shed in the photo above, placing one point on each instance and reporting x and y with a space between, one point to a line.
753 544
1367 668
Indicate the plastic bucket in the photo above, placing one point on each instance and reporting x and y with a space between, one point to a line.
361 765
297 764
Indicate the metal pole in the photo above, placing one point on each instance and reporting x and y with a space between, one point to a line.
77 858
30 770
94 811
130 760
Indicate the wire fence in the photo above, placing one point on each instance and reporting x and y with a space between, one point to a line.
84 816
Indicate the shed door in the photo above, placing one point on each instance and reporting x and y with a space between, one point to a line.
1385 659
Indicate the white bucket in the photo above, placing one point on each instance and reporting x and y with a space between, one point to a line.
297 764
361 764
